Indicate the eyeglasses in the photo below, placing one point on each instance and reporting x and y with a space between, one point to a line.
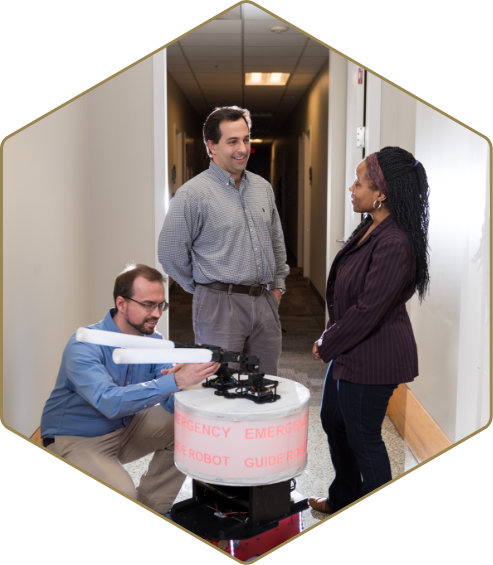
150 306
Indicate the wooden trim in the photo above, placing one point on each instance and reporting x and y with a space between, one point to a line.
36 437
422 434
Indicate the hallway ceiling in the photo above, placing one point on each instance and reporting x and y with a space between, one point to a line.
209 66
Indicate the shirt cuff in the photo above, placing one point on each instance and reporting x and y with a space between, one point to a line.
167 385
277 283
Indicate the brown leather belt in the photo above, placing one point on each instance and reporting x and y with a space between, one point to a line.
253 290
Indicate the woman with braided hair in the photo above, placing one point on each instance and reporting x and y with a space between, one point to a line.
369 340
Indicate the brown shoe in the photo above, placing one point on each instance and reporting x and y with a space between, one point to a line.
319 504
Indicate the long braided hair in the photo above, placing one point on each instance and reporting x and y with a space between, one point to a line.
408 190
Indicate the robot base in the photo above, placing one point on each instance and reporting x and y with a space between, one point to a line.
255 517
249 549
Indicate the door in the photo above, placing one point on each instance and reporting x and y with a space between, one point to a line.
307 200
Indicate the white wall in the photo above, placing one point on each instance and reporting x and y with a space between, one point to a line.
84 194
46 257
120 179
398 118
336 177
452 325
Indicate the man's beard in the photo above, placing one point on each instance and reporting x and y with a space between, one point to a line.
141 327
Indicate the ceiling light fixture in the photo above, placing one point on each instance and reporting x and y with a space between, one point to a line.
256 140
279 29
266 79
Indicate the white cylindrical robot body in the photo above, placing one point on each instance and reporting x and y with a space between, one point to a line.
234 441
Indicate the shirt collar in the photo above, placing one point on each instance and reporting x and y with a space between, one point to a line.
109 323
223 175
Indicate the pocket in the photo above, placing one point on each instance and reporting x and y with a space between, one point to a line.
274 298
198 299
274 306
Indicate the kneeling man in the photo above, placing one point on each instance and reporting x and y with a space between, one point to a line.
101 415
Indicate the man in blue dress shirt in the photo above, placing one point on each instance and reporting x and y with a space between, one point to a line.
101 415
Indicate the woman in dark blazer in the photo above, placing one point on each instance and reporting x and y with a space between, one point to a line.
369 340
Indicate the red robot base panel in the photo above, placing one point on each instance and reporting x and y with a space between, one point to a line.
250 549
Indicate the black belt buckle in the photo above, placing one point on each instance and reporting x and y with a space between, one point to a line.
255 290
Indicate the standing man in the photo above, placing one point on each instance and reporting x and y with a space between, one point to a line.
222 241
101 415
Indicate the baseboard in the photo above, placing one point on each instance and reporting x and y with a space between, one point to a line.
419 430
36 437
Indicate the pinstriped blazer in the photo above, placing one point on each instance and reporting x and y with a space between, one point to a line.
369 334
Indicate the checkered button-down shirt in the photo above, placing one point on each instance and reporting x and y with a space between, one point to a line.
216 232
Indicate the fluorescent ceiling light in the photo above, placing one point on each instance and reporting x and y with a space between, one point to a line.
266 79
256 140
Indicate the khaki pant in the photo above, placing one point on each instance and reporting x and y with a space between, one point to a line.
149 431
239 322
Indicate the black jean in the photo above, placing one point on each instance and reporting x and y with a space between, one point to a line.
352 416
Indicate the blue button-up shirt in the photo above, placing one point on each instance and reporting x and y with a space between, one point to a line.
93 396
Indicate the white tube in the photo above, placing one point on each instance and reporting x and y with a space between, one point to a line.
116 339
130 356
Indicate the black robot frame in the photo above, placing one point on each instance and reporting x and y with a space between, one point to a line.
254 387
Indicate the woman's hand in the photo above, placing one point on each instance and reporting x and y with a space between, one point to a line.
315 351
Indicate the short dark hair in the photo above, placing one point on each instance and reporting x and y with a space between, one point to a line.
211 129
124 282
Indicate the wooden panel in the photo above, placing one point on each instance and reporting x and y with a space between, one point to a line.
422 434
36 437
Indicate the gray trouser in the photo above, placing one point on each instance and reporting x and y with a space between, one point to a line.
239 322
149 431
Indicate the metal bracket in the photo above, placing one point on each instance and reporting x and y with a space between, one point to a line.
360 137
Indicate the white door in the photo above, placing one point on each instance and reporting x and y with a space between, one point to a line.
354 119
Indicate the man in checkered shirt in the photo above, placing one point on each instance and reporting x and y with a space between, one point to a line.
222 241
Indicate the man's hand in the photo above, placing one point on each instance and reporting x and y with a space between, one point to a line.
277 294
188 374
